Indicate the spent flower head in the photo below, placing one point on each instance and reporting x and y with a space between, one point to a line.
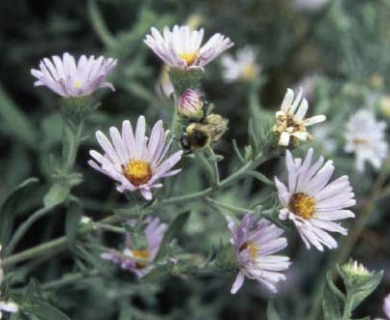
255 245
365 136
182 48
291 122
70 79
312 202
135 161
241 67
140 260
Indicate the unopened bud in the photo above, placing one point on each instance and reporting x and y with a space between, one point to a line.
190 104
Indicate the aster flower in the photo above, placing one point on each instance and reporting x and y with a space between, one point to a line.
190 104
181 48
133 160
254 248
313 203
140 261
366 138
290 120
70 79
6 306
386 308
310 5
243 67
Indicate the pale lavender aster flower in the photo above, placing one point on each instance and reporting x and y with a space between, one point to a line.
254 248
310 5
70 79
133 160
241 67
290 120
365 136
190 104
6 306
140 261
181 48
313 203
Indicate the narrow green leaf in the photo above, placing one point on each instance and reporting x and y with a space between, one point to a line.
56 195
253 135
176 225
259 176
10 207
99 24
331 303
18 124
237 151
73 217
271 311
44 311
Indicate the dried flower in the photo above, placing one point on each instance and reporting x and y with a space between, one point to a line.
138 260
69 79
181 48
366 138
312 203
133 160
290 120
243 67
254 247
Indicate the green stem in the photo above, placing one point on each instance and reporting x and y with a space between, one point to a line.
348 308
214 163
73 147
227 206
23 228
69 279
49 248
206 192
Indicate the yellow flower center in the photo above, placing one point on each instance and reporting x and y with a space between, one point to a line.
189 57
77 84
141 255
249 72
302 205
137 172
253 248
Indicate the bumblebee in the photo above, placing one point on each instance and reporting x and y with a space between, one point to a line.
198 135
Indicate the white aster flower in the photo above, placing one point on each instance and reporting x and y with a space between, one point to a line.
133 160
255 245
290 120
181 47
70 79
243 67
6 306
313 203
310 5
366 138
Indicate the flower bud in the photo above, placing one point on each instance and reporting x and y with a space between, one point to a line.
190 104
